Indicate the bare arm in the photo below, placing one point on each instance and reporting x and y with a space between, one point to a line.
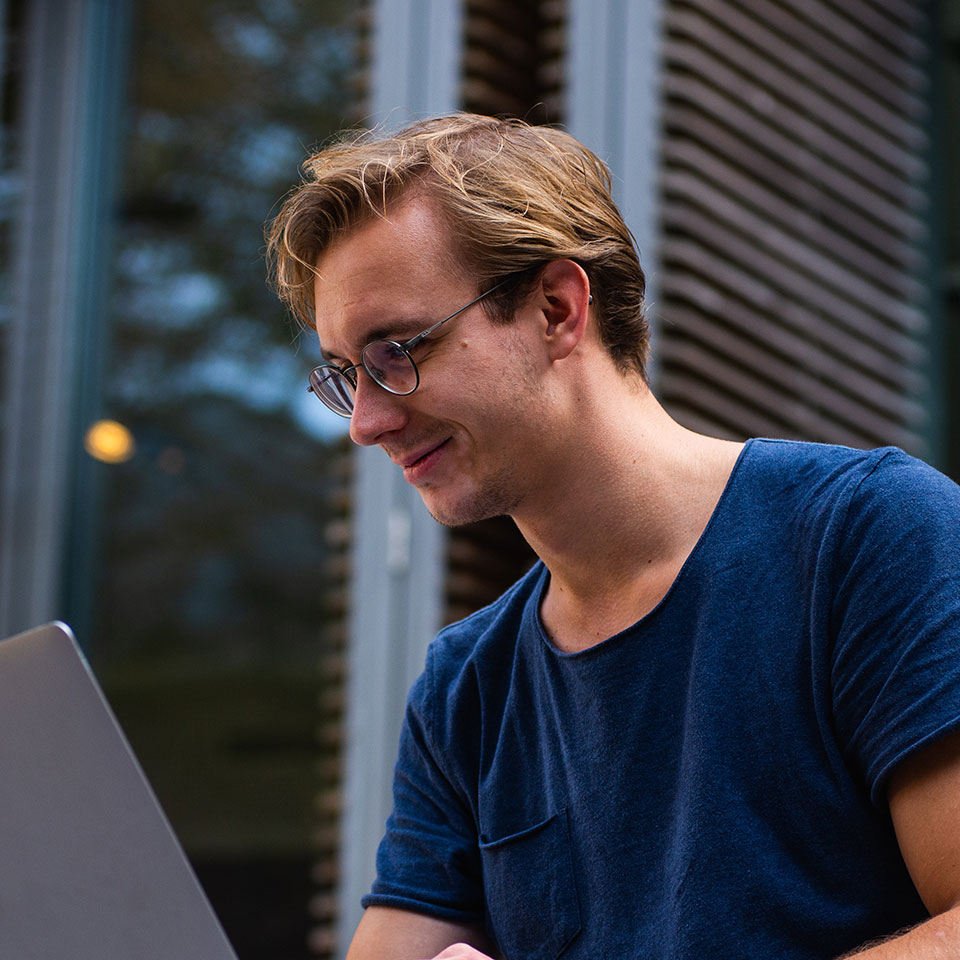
385 933
924 797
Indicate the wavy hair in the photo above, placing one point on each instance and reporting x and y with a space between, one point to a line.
514 196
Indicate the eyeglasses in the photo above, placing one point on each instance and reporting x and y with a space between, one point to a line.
386 362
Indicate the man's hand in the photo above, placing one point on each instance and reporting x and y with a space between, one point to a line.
461 951
385 933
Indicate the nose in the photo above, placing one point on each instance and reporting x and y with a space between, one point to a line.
376 412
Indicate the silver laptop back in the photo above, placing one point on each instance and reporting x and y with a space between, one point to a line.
89 867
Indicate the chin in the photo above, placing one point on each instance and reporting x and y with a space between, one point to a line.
460 519
458 512
458 515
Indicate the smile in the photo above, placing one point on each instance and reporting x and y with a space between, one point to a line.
416 466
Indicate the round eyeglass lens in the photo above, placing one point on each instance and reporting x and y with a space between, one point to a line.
391 366
333 388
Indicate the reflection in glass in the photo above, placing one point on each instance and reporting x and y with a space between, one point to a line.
212 604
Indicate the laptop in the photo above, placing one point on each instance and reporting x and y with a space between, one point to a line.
89 867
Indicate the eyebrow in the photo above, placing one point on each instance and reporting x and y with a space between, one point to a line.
398 330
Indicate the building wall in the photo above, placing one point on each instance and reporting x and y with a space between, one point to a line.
795 197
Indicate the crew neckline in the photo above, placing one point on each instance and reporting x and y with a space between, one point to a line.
539 591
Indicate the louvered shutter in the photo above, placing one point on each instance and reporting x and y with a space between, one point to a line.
512 61
947 278
331 674
793 201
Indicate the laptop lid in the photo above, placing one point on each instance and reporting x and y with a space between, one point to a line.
89 866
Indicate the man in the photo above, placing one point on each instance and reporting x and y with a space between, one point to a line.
720 717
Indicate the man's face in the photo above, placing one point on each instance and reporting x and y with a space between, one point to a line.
464 438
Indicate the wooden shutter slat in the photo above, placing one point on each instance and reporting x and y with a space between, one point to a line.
844 61
797 415
801 348
796 154
864 407
738 414
908 13
886 356
850 213
885 49
793 205
888 172
794 217
778 66
888 320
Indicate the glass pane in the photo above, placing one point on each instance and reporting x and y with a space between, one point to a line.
212 610
11 16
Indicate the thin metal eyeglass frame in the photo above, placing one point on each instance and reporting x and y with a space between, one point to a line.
405 347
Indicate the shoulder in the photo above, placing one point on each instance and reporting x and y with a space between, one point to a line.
895 614
817 465
909 485
905 517
836 483
467 656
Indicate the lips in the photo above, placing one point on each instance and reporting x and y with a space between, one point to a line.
416 464
411 459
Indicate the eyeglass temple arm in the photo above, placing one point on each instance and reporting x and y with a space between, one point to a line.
411 343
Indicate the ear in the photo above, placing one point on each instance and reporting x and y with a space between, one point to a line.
565 296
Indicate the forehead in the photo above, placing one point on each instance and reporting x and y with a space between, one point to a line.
387 269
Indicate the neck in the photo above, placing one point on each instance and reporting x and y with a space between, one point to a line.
615 523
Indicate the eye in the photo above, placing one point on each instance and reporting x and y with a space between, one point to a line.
384 359
391 353
390 366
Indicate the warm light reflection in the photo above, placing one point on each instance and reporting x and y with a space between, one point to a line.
109 442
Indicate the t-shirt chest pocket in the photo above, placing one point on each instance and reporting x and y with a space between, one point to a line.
531 894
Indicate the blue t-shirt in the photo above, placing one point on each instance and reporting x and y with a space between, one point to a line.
712 780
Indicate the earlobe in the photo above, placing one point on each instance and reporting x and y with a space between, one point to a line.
566 297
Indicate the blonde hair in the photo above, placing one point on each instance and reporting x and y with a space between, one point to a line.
515 197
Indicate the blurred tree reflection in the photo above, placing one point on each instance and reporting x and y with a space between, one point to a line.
214 530
211 607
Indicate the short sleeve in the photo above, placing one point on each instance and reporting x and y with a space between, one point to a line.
896 616
428 860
